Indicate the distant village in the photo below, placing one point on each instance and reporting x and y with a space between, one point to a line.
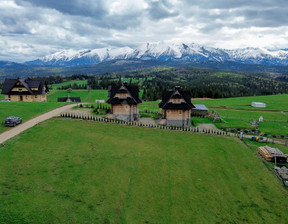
124 99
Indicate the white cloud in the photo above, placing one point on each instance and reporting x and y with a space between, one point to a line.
34 28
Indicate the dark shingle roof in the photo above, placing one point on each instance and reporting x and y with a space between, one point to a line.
116 100
27 83
132 90
65 99
176 93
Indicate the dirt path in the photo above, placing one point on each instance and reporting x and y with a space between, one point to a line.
30 123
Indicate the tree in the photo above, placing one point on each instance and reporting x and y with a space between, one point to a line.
69 90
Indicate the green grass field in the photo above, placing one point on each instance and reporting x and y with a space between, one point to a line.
1 96
238 114
108 173
273 102
78 82
274 122
85 95
24 110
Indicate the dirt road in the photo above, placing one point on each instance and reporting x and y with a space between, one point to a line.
28 124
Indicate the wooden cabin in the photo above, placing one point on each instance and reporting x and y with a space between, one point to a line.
176 108
124 102
26 90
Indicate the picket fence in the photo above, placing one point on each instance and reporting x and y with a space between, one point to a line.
69 115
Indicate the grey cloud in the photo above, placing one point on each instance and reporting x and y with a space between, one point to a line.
265 18
233 4
89 8
160 9
47 26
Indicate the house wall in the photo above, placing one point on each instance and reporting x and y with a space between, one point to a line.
176 101
122 95
178 117
27 98
19 89
125 112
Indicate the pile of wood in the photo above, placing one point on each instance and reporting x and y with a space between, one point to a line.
283 173
270 154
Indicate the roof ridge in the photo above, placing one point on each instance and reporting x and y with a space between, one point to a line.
129 93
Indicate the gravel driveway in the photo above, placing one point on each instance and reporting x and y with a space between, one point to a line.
28 124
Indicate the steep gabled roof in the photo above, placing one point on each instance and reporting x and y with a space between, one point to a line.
132 90
27 83
176 93
8 85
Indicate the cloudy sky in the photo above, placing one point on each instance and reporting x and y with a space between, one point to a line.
34 28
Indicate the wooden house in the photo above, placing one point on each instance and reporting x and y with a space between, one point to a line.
124 102
26 90
176 108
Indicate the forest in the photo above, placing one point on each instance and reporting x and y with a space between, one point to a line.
200 82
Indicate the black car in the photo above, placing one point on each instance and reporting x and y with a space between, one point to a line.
12 121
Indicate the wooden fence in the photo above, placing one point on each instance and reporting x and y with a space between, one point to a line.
140 124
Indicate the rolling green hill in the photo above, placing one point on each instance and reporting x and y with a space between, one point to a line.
84 172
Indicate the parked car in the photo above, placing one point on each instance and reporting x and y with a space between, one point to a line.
12 121
6 100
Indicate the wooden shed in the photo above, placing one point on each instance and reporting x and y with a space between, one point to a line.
269 154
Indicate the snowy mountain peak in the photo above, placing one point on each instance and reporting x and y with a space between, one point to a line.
162 51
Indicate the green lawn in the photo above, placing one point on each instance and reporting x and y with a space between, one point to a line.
78 82
274 122
108 173
274 128
24 110
86 96
273 102
1 96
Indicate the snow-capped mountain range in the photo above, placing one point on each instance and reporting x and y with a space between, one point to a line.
165 52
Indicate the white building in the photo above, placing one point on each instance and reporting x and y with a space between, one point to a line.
258 104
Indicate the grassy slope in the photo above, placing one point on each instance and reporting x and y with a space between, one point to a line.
78 82
123 174
86 96
273 102
24 110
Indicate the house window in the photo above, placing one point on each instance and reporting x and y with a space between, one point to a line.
9 96
20 90
180 112
35 96
26 97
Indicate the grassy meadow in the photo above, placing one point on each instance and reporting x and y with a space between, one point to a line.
78 82
235 112
85 95
273 102
24 110
108 173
